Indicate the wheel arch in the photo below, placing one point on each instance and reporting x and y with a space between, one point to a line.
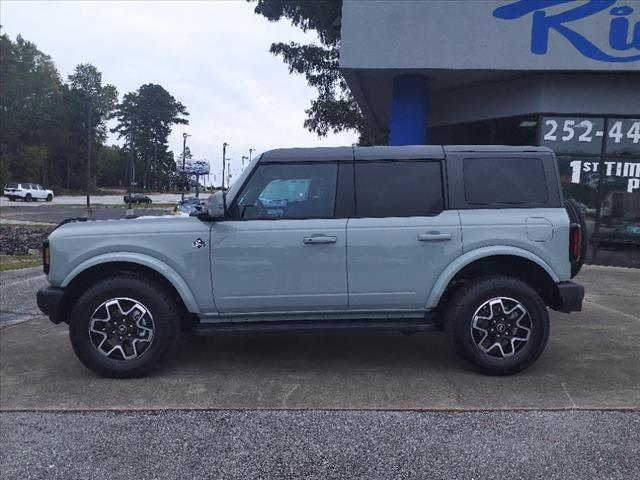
511 261
103 266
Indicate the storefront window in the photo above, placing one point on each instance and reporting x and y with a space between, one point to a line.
613 229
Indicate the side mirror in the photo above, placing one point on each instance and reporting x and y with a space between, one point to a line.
215 206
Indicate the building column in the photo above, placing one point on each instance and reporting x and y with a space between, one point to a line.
409 113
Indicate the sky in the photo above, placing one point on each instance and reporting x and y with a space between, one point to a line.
213 56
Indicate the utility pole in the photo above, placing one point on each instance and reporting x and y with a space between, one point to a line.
184 156
88 156
224 160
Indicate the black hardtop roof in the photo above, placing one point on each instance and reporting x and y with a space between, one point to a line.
405 152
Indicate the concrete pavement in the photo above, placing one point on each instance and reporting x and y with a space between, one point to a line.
591 362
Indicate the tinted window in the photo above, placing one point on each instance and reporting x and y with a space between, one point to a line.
398 189
504 181
289 191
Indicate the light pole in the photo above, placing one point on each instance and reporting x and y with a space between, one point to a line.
89 129
251 150
224 159
228 173
184 156
243 159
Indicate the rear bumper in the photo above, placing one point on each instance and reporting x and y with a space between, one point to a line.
49 300
571 296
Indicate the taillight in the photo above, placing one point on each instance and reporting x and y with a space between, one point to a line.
575 242
46 256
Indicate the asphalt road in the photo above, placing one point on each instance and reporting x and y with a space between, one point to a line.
17 294
95 200
321 445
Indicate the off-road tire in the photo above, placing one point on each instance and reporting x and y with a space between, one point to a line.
471 296
158 302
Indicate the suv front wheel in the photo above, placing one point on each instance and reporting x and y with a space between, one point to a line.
124 326
498 324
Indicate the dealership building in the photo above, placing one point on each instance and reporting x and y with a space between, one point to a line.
558 73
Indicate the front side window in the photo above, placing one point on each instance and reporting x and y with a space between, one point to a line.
288 191
398 189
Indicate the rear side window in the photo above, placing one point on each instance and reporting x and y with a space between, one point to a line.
510 181
398 189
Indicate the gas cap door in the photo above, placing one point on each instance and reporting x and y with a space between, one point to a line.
539 229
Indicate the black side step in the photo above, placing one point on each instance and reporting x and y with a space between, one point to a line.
311 326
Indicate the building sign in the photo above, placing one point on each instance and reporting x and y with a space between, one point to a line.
623 43
542 35
612 169
582 135
577 136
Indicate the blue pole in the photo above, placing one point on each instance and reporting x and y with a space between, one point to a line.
409 110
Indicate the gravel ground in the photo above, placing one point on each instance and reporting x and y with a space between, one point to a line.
321 444
17 294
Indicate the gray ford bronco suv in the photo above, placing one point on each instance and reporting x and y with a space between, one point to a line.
473 240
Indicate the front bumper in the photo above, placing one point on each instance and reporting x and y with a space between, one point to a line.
571 295
49 300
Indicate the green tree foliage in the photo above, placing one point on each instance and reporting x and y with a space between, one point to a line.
43 134
145 118
85 86
30 97
334 109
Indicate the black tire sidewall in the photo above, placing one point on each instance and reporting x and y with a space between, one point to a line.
470 298
165 318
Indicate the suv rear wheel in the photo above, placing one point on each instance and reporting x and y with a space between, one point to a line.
498 324
124 326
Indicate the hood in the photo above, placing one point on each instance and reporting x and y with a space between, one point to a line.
128 226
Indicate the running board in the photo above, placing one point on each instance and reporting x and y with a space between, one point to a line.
302 326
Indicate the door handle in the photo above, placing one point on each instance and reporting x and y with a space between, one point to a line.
433 237
317 239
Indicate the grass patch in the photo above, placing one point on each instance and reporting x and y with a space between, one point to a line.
15 262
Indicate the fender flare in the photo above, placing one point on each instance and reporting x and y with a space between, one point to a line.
141 259
461 262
